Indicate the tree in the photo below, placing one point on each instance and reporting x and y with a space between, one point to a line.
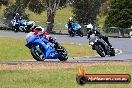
18 7
104 8
38 6
4 2
51 6
85 11
120 14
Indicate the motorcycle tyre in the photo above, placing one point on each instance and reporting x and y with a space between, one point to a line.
112 52
35 56
63 58
101 53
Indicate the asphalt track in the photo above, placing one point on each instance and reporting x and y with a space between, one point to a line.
123 48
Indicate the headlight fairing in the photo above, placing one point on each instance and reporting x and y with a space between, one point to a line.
29 35
91 43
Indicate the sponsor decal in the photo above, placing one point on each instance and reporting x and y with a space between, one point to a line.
83 78
52 54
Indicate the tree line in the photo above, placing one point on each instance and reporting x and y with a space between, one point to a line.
118 12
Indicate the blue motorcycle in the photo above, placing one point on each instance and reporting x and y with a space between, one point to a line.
22 25
42 49
75 30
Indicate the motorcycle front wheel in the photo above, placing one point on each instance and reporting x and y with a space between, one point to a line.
100 50
37 55
80 33
16 28
71 33
63 53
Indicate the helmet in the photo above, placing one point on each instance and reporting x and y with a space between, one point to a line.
17 13
40 28
90 26
70 19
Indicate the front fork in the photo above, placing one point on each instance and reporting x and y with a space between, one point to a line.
38 48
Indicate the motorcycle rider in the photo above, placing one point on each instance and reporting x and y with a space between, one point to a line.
95 29
16 21
130 33
17 18
70 22
38 30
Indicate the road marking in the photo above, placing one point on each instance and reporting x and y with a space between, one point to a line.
118 51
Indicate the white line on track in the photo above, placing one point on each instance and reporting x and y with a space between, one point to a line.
118 51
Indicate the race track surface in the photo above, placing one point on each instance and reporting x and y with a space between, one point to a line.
123 48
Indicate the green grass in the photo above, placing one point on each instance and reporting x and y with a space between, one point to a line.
79 50
2 11
60 78
14 49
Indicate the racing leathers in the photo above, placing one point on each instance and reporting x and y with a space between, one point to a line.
97 33
38 31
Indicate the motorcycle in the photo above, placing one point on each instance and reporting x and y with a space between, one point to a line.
101 47
75 30
22 25
42 49
130 34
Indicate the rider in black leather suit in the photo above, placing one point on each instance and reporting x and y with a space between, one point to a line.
97 33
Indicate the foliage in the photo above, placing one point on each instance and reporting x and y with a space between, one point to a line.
18 7
36 6
104 8
120 14
4 2
85 11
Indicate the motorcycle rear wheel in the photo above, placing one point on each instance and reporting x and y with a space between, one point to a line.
36 55
112 53
71 33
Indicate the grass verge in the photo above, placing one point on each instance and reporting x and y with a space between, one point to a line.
14 49
60 78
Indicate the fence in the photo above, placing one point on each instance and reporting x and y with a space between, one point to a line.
117 32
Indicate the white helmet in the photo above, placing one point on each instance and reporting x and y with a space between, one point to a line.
41 28
70 19
17 13
89 26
